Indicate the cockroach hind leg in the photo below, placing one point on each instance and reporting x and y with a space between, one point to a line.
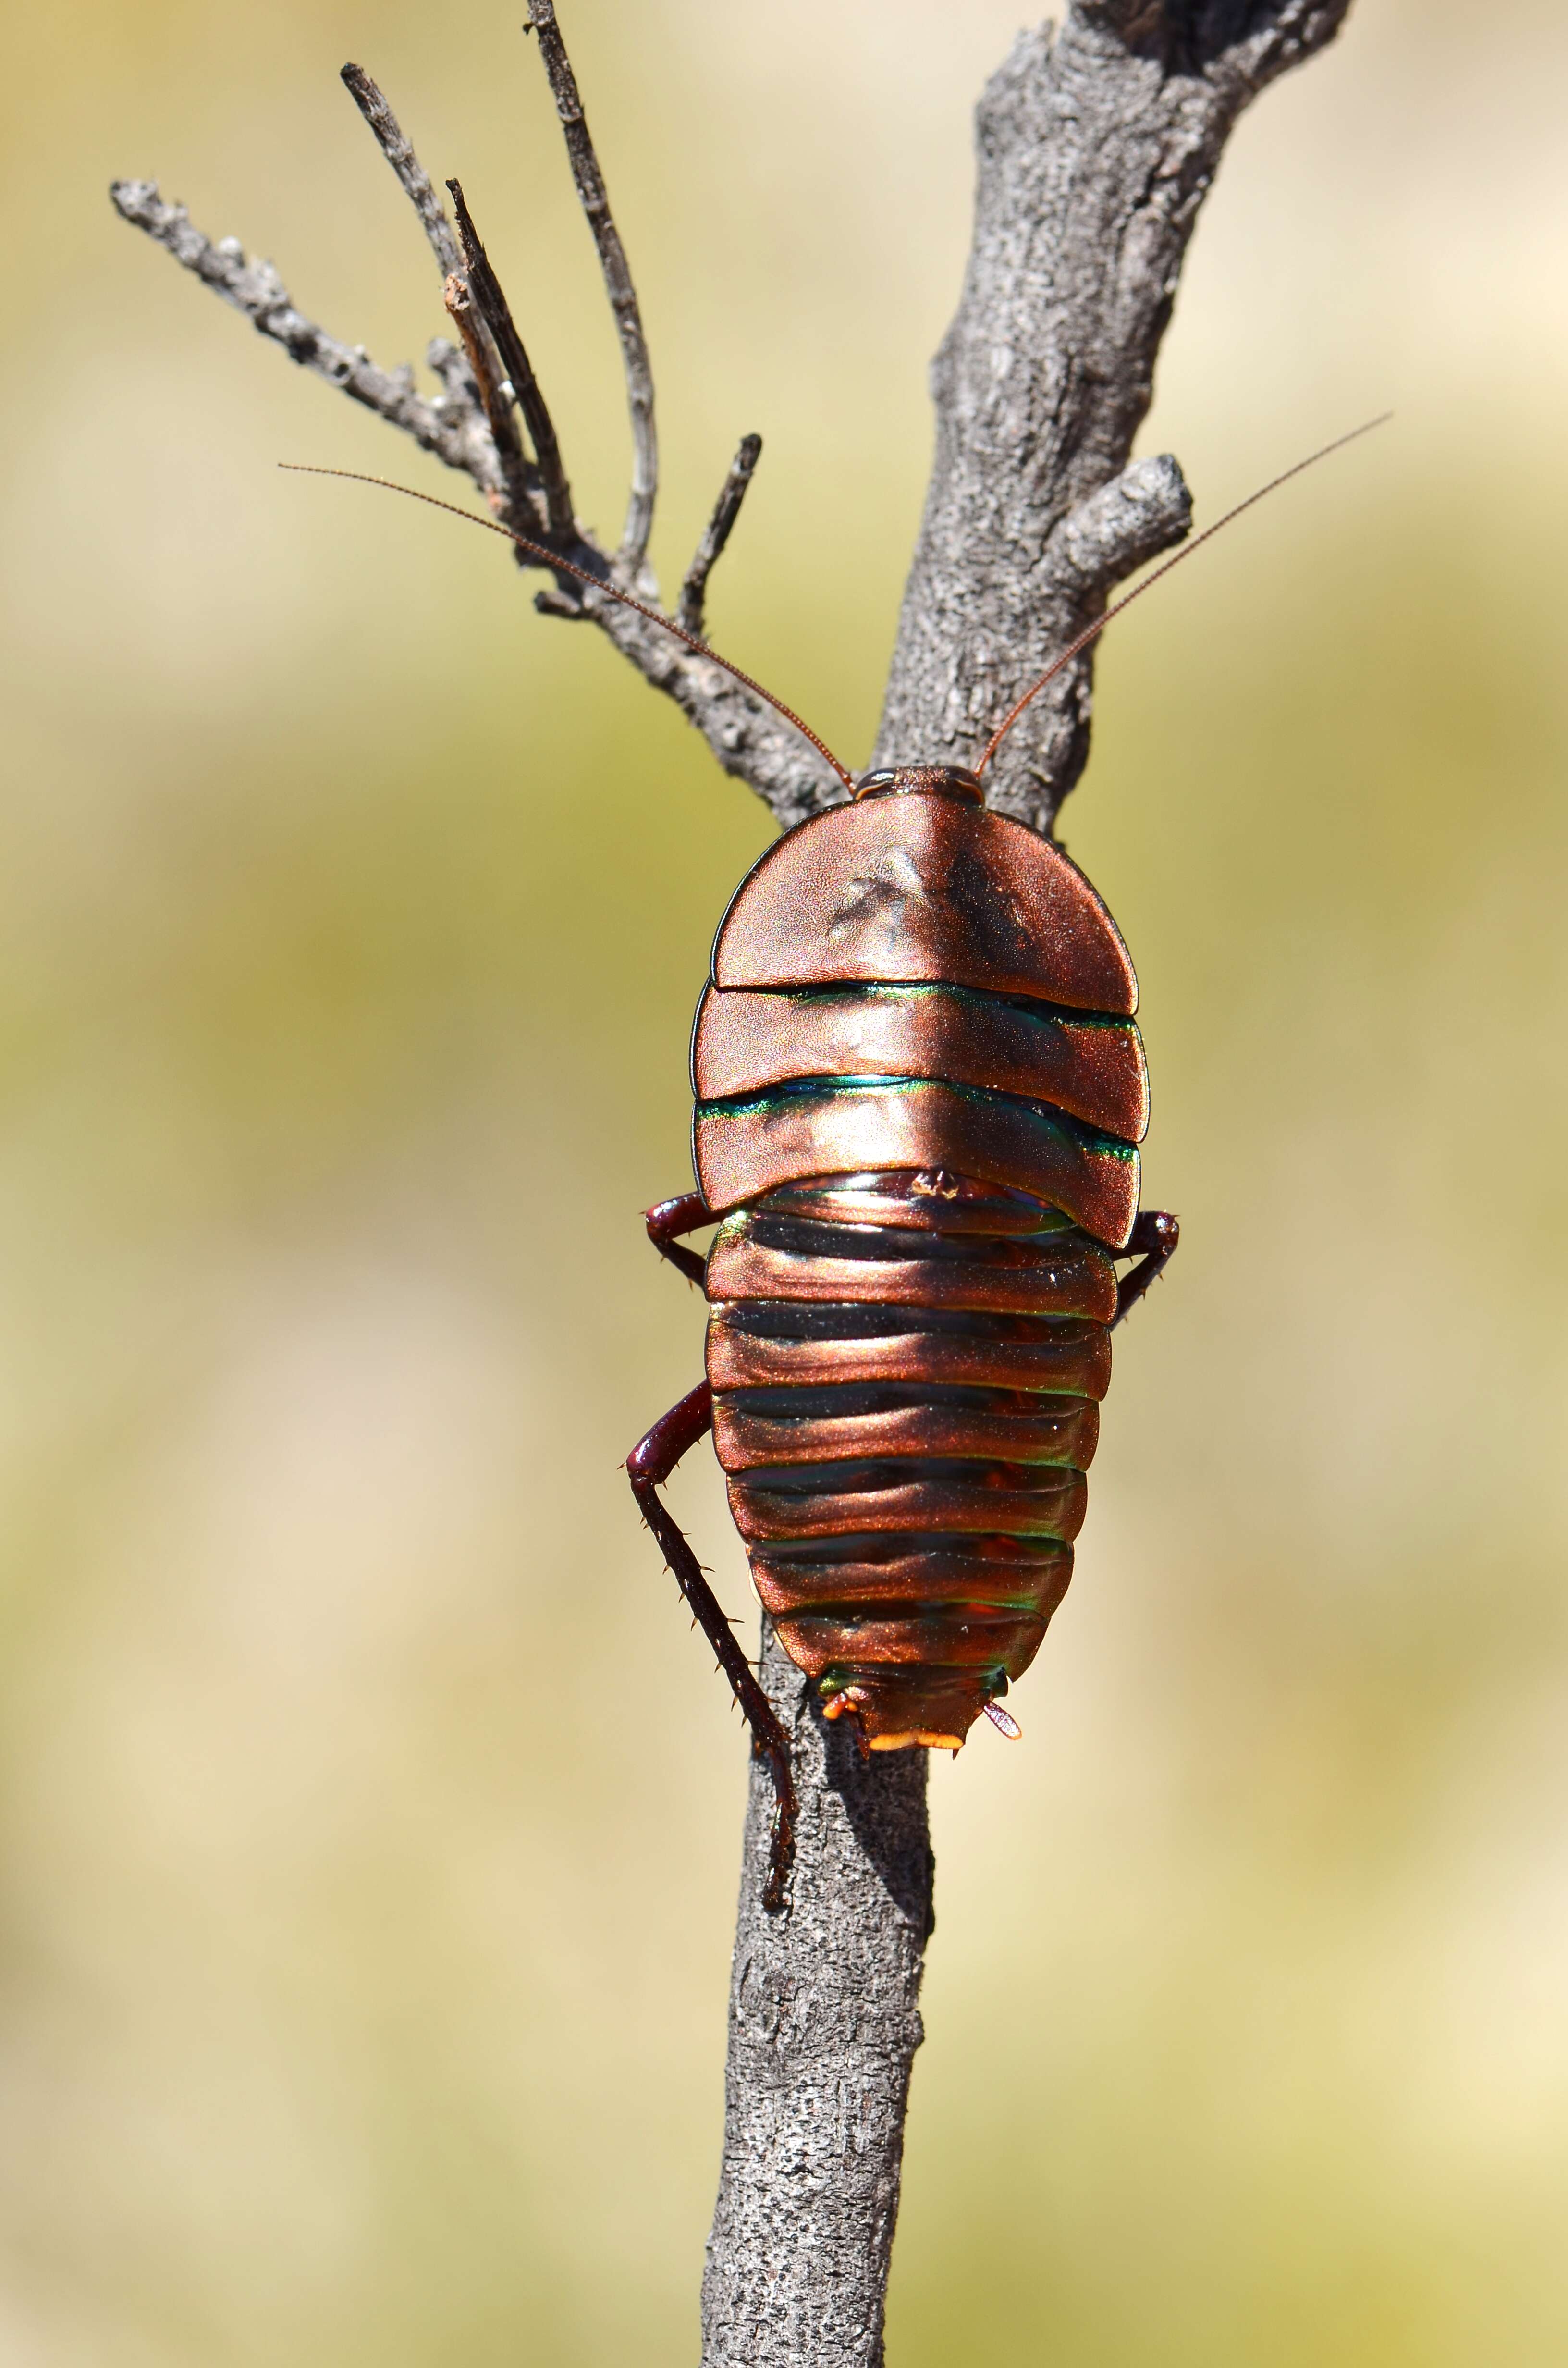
1004 1721
781 1832
649 1464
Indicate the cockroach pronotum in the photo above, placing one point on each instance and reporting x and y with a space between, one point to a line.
920 1091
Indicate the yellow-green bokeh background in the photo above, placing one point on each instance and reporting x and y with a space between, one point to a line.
368 1817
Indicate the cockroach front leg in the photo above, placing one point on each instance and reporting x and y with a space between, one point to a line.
648 1466
1153 1243
669 1219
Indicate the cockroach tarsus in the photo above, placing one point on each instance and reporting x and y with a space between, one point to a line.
920 1092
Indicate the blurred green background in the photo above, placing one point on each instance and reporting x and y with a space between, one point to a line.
368 1818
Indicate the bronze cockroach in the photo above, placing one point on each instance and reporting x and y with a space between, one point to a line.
920 1092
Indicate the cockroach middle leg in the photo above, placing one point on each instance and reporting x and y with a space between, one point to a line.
648 1466
669 1219
1153 1243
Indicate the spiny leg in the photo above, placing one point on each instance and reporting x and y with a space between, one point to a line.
668 1219
649 1464
1153 1243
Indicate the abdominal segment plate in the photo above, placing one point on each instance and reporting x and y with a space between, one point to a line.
1071 1357
1076 1279
998 1499
789 1584
746 1041
905 1365
1011 1426
913 889
949 1209
742 1150
980 1639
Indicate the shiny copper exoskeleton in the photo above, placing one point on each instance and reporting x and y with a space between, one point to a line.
920 1093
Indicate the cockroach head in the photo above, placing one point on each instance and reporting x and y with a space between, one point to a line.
922 780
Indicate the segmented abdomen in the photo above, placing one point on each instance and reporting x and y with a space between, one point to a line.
904 1412
919 1096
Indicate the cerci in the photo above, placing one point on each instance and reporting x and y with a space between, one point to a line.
920 1094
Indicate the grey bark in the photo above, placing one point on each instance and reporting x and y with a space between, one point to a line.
824 2021
1097 145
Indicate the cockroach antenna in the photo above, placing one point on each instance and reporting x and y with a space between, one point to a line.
548 558
554 559
1092 632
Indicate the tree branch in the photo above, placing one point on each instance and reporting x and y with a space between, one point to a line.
487 370
824 2024
745 735
559 516
749 739
1097 146
717 532
515 505
398 150
623 302
453 428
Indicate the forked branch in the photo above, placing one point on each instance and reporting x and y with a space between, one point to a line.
1097 145
470 425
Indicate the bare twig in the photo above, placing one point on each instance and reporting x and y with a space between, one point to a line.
398 150
254 288
491 302
519 476
623 302
716 534
487 370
